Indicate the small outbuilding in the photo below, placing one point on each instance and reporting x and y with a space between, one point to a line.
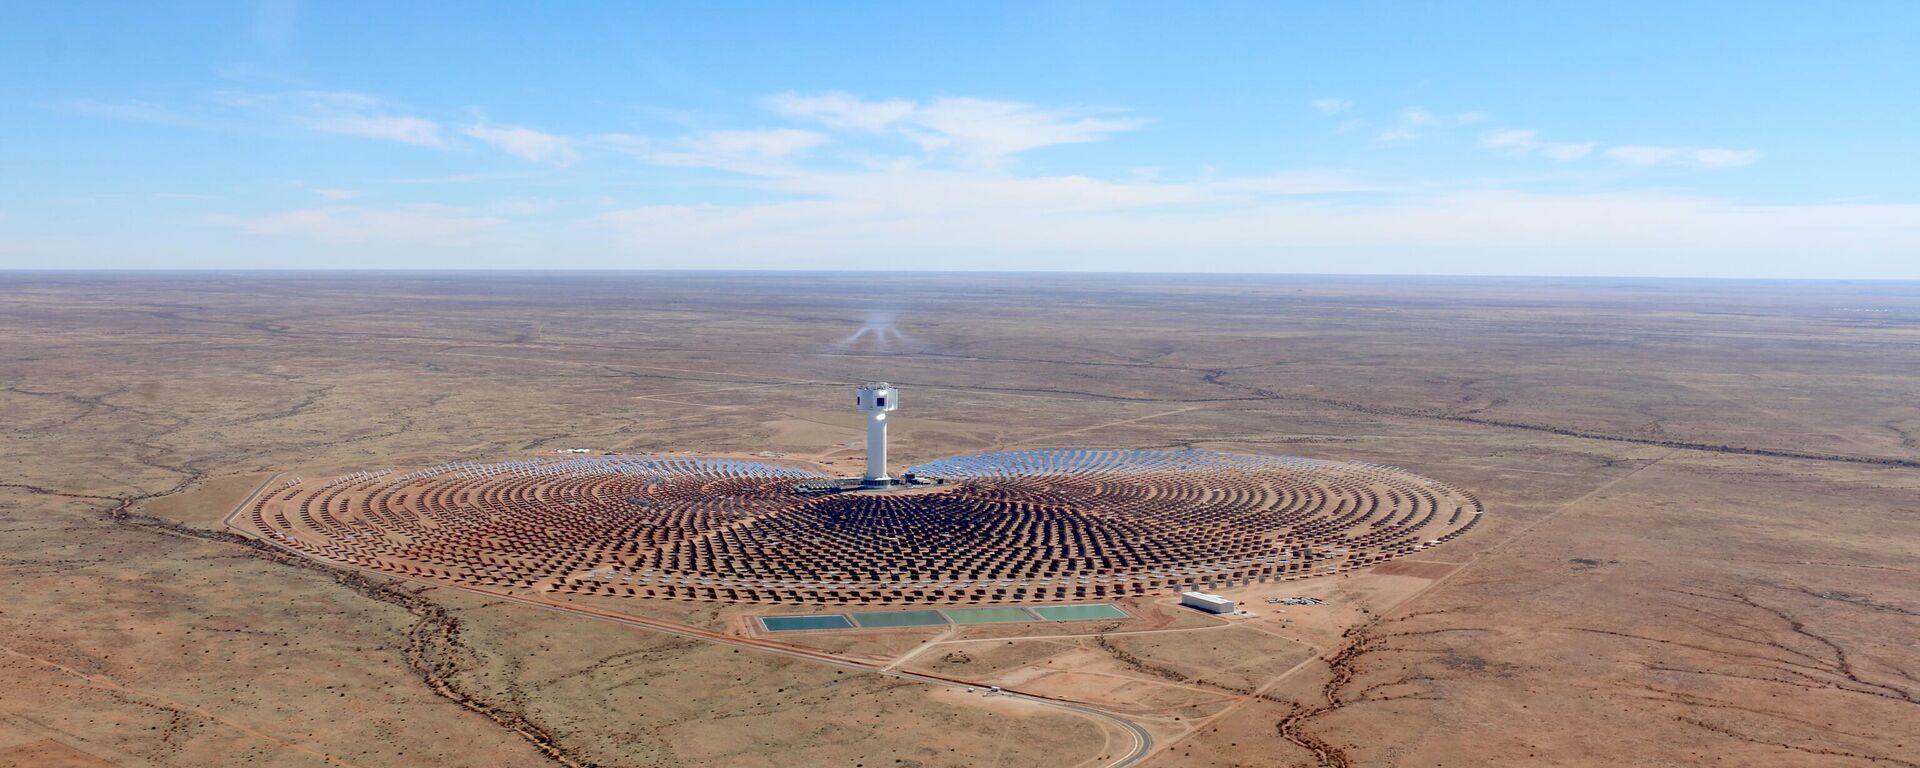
1206 602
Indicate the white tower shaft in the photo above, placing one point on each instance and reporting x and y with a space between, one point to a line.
876 447
877 399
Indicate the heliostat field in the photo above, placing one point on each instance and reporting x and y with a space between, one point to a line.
1031 526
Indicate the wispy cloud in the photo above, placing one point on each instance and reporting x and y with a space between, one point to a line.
843 110
767 143
977 131
306 103
344 113
1331 106
1422 116
136 111
527 144
416 224
1647 156
1412 123
1603 234
837 176
1525 142
989 130
754 151
1522 141
406 130
463 179
896 206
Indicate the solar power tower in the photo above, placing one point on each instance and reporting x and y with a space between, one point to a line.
877 398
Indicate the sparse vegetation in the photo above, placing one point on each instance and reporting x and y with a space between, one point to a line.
1699 435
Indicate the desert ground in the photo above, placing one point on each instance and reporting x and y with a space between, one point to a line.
1700 544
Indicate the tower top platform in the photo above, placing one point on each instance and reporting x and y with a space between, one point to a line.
877 396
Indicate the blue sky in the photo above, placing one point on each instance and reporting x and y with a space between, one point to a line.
1691 139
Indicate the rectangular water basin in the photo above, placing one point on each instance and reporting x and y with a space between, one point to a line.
884 619
989 615
1086 612
794 623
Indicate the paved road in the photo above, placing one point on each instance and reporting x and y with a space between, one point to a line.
1143 741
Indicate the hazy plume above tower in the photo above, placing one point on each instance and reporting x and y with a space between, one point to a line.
877 333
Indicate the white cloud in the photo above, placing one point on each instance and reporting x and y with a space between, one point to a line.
772 142
843 110
921 191
907 189
1297 183
308 102
346 113
1413 122
1049 224
527 144
1519 141
956 197
759 151
419 224
1709 157
902 208
1331 106
988 130
1420 116
518 207
978 131
406 130
900 203
137 112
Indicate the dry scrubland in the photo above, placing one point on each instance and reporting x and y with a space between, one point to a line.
1700 547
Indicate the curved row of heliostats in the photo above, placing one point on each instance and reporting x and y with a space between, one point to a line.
1031 525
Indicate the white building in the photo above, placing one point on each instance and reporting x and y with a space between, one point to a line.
1206 602
877 399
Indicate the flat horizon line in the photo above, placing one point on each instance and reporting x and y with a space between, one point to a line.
344 271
